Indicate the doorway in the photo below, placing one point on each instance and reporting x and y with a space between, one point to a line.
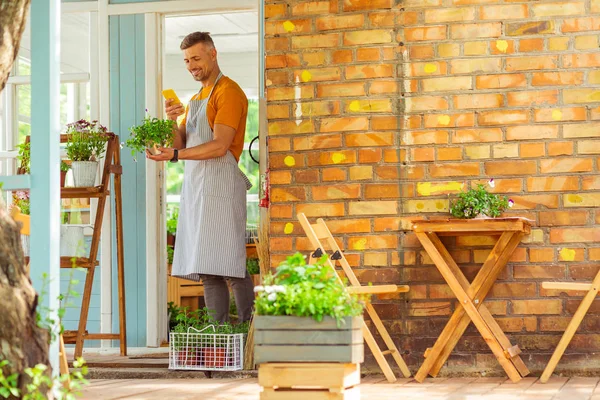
236 37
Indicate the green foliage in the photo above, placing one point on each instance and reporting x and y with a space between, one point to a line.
25 156
253 266
202 320
86 140
9 385
172 221
306 291
21 200
170 254
152 131
478 201
64 167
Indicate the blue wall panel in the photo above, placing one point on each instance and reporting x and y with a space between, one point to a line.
127 94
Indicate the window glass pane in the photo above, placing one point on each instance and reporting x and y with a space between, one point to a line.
74 44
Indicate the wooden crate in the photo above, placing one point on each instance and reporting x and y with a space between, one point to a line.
302 339
309 381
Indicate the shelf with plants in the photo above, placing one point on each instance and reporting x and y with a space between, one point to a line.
86 144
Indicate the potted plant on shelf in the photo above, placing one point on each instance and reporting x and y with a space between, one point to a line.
253 267
25 157
64 168
307 305
151 134
479 203
85 145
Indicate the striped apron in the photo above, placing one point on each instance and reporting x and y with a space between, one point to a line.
212 212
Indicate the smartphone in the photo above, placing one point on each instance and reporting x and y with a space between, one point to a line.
170 94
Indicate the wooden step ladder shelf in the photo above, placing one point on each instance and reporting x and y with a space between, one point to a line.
112 165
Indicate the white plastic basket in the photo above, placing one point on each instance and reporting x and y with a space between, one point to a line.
200 351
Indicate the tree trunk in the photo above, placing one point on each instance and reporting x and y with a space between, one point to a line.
22 342
13 17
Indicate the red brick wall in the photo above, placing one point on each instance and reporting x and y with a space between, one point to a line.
377 111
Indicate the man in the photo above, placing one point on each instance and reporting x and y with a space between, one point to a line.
212 215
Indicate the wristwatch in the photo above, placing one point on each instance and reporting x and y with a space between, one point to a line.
175 156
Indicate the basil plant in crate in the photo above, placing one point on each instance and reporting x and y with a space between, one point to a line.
151 134
86 143
300 298
479 203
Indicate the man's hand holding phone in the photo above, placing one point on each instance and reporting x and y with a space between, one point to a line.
173 105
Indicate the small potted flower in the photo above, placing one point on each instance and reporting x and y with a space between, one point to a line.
85 145
151 134
478 203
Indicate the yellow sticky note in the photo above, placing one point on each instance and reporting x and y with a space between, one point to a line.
306 76
360 244
502 45
289 161
444 120
289 228
354 106
430 68
567 254
288 26
556 115
338 157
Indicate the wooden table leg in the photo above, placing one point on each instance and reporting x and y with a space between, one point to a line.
479 289
85 308
451 272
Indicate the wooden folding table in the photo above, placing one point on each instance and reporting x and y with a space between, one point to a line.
471 295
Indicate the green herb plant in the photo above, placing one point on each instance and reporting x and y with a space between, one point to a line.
152 131
170 254
24 157
252 265
306 291
64 167
172 222
479 201
86 140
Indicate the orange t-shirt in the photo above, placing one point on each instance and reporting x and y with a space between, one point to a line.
228 105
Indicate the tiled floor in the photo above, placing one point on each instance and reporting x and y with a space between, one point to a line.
371 388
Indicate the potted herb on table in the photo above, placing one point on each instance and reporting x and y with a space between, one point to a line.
478 203
85 145
64 168
151 134
306 306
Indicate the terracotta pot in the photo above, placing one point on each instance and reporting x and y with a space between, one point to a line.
255 279
170 240
63 176
188 357
214 357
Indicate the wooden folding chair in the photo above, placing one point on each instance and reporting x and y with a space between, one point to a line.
25 221
592 292
320 231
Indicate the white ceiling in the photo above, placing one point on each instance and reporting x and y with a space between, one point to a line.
234 32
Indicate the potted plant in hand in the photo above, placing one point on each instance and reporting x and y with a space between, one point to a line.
85 145
308 306
479 203
151 134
